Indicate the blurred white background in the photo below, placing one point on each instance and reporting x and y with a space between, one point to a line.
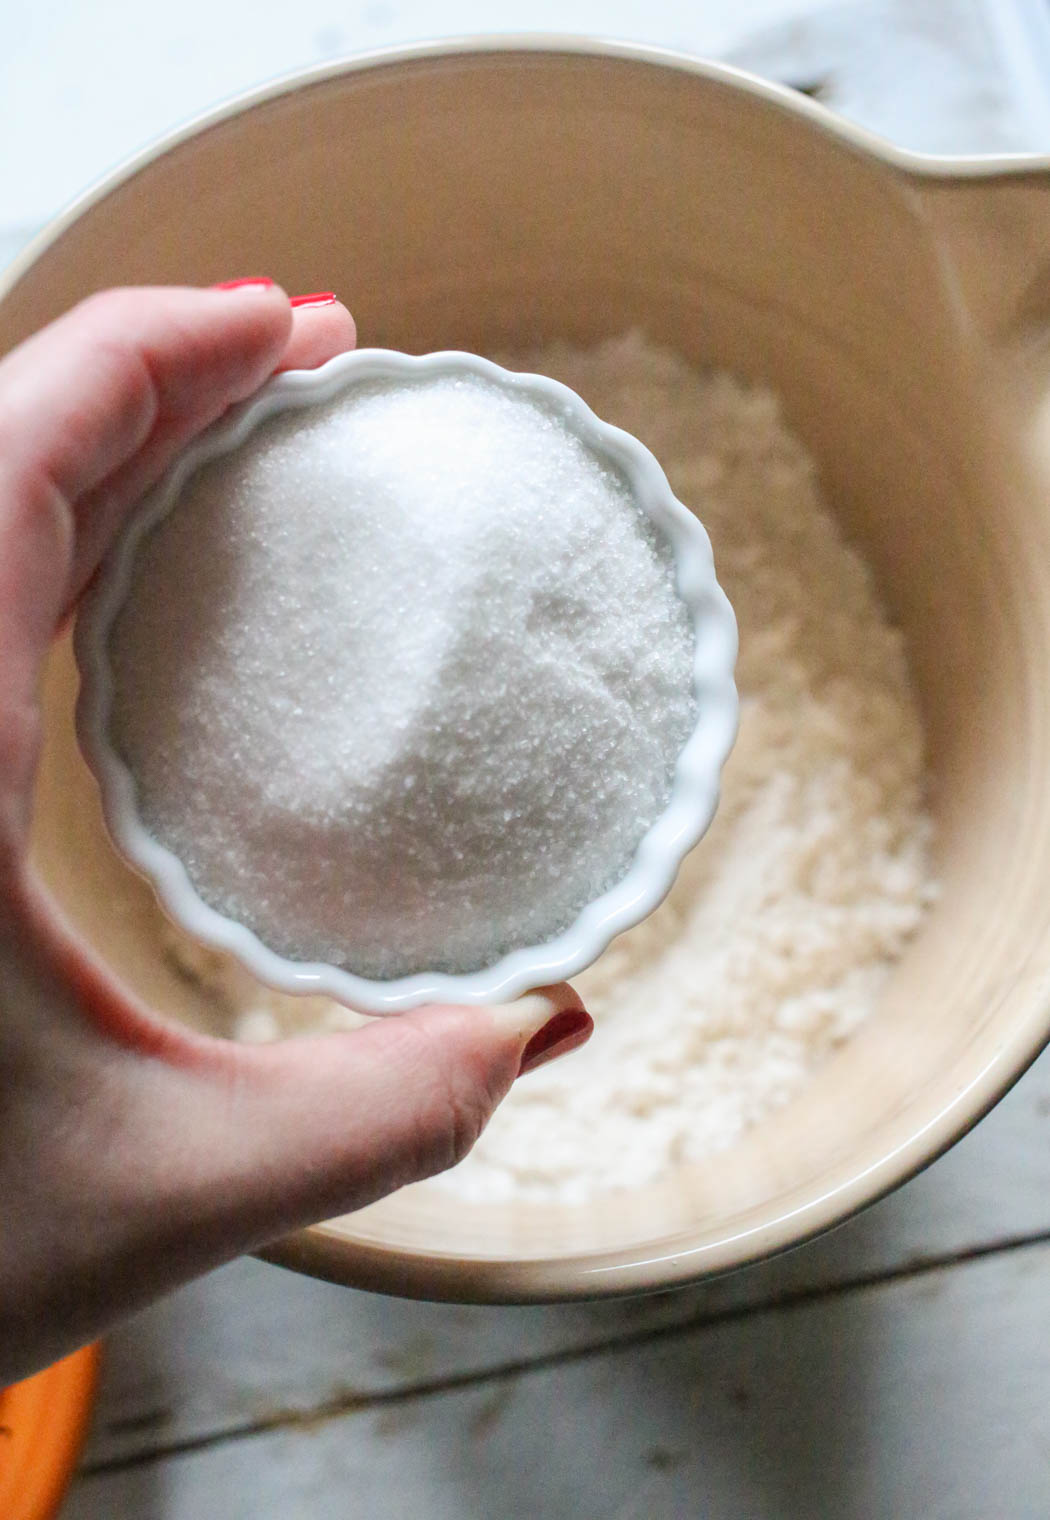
85 83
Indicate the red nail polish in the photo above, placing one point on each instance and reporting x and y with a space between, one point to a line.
564 1032
260 281
318 298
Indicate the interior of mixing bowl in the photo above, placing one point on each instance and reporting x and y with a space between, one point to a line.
496 199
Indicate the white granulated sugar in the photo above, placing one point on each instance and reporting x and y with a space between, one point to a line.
403 681
782 928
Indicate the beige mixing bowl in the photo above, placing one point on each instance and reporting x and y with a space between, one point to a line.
505 193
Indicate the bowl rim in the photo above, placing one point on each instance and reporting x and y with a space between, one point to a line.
676 1261
861 140
463 1278
672 834
323 1251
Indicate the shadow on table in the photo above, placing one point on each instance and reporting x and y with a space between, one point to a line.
760 1413
761 1396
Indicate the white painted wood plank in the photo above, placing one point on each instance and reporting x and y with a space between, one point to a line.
252 1340
921 1398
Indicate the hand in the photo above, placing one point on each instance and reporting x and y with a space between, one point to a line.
135 1155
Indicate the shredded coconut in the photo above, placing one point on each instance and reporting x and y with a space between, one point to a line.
402 681
778 936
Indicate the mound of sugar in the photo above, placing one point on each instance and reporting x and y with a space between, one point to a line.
403 681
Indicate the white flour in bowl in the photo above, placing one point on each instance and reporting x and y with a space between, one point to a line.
784 923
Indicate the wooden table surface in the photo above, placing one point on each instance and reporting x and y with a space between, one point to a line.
899 1368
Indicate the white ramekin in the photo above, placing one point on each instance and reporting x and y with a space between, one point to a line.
694 793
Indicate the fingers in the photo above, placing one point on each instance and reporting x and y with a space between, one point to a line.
315 335
77 402
94 407
321 328
82 396
92 410
206 351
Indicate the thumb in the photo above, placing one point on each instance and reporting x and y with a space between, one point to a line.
137 1155
324 1125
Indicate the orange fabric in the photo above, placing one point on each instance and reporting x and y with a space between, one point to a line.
42 1424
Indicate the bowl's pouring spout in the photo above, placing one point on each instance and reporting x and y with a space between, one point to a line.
990 226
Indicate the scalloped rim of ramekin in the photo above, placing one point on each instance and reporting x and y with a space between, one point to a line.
695 785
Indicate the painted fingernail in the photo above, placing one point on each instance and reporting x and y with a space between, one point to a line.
564 1032
317 298
253 282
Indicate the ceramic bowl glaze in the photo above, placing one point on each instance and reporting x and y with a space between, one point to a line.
497 195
